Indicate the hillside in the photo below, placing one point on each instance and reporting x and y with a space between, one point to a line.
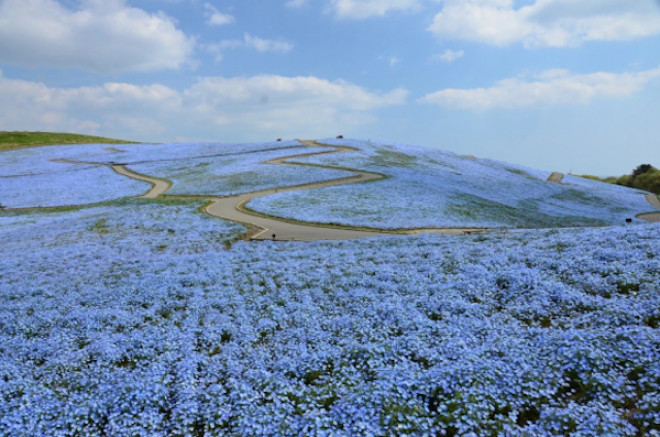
18 140
130 316
417 187
432 188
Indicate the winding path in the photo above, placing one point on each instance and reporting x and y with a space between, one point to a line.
653 200
653 217
158 186
556 177
264 227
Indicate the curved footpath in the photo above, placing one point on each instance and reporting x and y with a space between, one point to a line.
651 216
653 200
556 177
264 227
158 186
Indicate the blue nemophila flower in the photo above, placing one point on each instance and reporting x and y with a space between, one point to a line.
432 188
133 319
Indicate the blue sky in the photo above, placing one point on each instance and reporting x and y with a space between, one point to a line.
567 85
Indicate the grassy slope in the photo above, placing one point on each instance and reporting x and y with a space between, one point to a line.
20 140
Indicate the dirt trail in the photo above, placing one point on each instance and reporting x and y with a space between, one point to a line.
653 200
651 216
263 227
158 186
233 208
556 177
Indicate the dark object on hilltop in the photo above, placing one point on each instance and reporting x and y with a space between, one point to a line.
340 137
279 139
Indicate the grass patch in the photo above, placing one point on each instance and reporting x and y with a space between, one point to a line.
21 140
387 157
101 226
122 201
571 195
526 214
521 173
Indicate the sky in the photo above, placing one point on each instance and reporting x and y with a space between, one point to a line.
559 85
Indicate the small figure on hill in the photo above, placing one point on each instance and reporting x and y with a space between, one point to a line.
339 137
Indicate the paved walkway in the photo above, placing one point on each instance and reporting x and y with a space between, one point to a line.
263 227
158 186
651 216
556 177
653 200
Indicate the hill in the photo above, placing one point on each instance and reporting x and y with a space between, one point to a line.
131 316
432 188
18 140
419 188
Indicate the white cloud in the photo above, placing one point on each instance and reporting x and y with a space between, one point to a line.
102 35
215 17
449 56
266 45
294 4
243 108
361 9
249 41
546 23
552 87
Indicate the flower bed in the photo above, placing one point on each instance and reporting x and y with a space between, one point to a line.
133 320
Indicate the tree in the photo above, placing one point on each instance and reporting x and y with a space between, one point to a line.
649 181
626 180
641 169
643 177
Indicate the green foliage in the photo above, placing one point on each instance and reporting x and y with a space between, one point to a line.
625 180
649 181
595 178
388 157
101 226
643 177
641 169
20 140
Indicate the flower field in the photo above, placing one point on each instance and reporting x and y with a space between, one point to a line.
431 188
137 317
32 177
236 174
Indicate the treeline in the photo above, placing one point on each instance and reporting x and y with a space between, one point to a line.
644 177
